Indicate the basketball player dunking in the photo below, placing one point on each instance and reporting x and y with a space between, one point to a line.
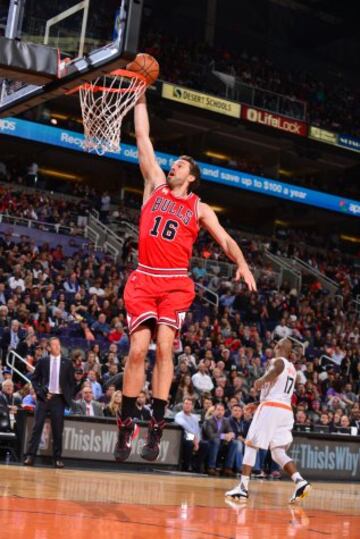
272 424
159 292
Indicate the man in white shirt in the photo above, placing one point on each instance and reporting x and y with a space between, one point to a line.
201 380
96 289
282 331
16 280
194 451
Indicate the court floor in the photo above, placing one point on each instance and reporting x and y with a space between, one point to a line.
44 503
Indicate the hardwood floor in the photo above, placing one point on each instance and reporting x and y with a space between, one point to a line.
44 503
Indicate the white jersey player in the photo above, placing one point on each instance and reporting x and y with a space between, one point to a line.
272 424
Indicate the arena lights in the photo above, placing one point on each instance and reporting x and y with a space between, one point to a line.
216 155
60 174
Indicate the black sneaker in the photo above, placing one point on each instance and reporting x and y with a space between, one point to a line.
128 431
302 489
151 449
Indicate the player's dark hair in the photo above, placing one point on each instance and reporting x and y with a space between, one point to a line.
194 171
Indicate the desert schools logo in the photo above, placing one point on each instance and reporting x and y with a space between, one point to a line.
7 125
327 458
200 100
273 120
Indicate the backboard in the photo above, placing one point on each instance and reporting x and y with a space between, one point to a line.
93 37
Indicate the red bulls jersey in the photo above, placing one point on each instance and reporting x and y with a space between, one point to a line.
168 229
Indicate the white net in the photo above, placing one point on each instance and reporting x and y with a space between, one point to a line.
104 103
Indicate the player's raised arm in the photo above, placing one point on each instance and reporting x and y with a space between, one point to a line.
152 173
210 222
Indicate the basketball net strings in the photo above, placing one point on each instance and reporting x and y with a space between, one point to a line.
103 111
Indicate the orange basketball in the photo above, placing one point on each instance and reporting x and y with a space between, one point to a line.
146 65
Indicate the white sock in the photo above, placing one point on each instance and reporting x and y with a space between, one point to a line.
296 477
244 481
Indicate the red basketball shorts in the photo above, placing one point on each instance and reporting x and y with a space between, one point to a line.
163 299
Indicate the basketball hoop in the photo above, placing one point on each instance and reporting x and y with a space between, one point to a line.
104 103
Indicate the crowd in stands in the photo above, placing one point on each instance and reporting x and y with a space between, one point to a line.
332 106
43 209
217 357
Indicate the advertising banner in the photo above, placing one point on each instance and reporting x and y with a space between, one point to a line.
212 173
96 441
329 459
271 119
200 100
322 135
350 143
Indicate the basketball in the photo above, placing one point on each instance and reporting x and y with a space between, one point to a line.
145 65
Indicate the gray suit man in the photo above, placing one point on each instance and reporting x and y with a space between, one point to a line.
87 406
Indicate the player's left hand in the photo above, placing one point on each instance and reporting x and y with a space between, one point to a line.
243 272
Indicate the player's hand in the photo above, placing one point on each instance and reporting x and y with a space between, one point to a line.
243 272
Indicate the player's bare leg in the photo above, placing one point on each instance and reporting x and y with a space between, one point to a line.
161 382
132 385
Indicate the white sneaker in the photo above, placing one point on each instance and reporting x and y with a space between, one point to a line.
302 489
238 493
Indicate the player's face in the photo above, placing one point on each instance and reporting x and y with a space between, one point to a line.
178 174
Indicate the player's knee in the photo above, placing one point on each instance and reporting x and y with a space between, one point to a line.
164 351
137 353
278 454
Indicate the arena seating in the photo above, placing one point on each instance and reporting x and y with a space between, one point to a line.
78 298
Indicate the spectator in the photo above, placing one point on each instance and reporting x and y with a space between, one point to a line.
219 435
142 412
201 380
107 396
282 330
95 385
114 407
16 280
29 401
185 390
11 338
7 398
193 450
235 460
87 406
101 328
105 206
